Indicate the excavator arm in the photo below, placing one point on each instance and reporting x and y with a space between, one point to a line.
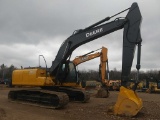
128 102
89 56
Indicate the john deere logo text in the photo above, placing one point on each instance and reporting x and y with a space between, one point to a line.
89 34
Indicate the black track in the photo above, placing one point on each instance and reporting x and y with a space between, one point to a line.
41 97
73 93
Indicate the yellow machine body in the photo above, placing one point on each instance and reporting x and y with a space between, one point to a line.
114 84
128 103
35 77
31 77
153 88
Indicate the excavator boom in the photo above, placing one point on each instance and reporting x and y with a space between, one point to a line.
131 37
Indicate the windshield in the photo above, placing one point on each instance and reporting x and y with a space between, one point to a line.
72 76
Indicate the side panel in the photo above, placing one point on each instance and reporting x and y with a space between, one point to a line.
30 77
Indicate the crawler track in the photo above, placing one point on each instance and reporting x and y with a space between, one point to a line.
77 95
46 98
74 93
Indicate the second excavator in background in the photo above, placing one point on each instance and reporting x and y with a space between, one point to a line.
103 92
151 85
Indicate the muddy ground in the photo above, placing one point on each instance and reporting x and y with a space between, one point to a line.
95 109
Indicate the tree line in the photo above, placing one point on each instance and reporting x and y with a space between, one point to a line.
116 74
6 73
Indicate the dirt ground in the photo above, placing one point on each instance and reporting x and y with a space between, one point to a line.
95 109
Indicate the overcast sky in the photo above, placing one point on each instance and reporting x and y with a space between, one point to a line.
29 28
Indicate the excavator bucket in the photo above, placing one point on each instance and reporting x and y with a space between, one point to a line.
102 93
128 103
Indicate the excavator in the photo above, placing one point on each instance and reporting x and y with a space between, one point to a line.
152 85
104 91
59 84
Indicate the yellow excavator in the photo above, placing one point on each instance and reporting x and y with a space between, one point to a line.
104 91
151 85
59 83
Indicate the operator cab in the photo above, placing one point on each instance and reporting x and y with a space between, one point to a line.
67 73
